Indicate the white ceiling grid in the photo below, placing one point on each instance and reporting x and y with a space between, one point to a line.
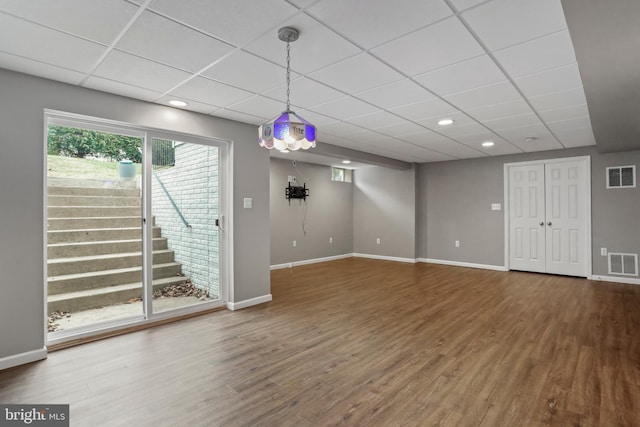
373 75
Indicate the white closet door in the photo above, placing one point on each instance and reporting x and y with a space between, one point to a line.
527 216
548 217
565 207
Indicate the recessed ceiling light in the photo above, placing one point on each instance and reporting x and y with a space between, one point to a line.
445 122
177 103
346 162
530 138
488 144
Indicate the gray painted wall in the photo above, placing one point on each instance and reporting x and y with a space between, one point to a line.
384 206
21 193
329 214
454 203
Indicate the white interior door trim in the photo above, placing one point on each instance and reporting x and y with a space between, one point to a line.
587 213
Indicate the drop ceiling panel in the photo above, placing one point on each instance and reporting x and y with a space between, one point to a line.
500 147
302 3
132 70
440 44
384 20
374 139
546 82
513 122
576 137
356 74
568 113
210 92
570 124
497 111
335 140
119 88
28 66
443 145
403 128
503 23
555 100
304 93
395 94
544 140
339 128
344 108
552 51
75 17
425 109
496 93
236 22
463 76
459 120
316 48
376 120
258 106
62 50
315 118
457 131
239 117
162 40
465 4
193 105
519 135
257 74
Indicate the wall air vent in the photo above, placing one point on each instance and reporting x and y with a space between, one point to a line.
623 264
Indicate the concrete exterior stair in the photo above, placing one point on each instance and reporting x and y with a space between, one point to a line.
94 245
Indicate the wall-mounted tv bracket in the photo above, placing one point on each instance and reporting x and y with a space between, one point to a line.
296 192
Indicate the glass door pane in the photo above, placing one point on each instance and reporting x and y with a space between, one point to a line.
185 206
94 231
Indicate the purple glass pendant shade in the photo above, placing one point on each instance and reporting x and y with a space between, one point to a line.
288 132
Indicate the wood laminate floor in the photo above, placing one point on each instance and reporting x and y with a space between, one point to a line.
368 343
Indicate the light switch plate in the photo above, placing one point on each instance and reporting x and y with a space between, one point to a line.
496 206
248 202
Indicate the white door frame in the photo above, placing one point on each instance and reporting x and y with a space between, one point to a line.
587 214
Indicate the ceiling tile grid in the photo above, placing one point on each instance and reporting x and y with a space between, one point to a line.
387 71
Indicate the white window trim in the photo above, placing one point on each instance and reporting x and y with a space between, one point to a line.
633 168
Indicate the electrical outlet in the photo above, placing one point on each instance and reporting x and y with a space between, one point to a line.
603 251
457 243
330 239
294 243
378 241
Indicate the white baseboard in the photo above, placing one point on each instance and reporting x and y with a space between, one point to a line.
310 261
249 302
626 280
463 264
23 358
385 258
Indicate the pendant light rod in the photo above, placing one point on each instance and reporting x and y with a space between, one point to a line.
288 35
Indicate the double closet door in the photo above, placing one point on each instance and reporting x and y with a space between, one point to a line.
549 216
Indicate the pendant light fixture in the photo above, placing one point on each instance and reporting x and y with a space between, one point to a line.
288 131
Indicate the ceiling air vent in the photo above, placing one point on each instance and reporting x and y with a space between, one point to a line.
624 264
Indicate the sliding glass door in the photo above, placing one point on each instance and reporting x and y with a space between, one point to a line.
185 206
134 225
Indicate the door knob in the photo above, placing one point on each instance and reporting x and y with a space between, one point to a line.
541 223
549 223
